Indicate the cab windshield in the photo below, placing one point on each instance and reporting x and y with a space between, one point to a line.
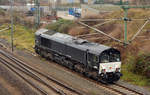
110 56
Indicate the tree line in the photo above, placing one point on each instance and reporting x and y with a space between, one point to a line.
141 2
6 2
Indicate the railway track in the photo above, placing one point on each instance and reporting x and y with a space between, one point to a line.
125 89
46 82
42 91
114 88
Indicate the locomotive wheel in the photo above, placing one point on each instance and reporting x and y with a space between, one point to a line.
42 54
71 66
50 56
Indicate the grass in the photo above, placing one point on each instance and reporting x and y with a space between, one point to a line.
105 7
133 78
23 37
132 69
130 74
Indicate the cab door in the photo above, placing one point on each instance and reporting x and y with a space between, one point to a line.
93 60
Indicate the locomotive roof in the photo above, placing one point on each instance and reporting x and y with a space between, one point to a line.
74 42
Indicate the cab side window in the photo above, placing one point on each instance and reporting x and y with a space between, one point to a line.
93 59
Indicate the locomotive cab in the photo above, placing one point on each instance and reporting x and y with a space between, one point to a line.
110 65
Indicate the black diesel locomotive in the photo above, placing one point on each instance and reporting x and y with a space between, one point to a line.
100 62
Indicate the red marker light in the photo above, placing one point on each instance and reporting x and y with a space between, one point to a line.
104 70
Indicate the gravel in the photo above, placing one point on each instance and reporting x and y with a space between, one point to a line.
15 82
69 78
3 90
134 87
59 73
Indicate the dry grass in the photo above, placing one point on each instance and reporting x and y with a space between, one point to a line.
116 29
78 31
23 37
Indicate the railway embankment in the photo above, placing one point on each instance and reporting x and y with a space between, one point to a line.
135 56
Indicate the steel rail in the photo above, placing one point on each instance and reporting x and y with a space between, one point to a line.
105 86
98 84
35 77
90 80
19 62
25 79
129 89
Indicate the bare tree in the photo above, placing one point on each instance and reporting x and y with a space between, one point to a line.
141 2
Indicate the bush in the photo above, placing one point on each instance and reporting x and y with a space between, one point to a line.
139 64
142 65
22 20
137 70
61 26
